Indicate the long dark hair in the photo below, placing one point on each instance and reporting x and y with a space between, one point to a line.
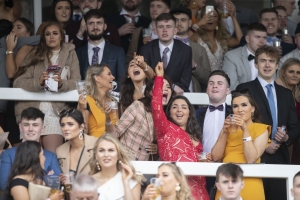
192 127
28 25
42 51
146 100
53 16
27 162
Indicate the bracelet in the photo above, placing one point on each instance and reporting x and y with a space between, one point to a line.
247 139
108 123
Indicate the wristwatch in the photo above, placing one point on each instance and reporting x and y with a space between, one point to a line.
8 52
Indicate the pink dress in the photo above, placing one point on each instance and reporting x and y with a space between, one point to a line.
174 144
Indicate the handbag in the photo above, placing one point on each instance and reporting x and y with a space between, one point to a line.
38 192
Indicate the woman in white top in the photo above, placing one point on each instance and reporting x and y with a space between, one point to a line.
110 166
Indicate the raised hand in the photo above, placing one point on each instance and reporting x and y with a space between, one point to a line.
159 69
82 103
82 28
11 41
126 172
140 62
149 193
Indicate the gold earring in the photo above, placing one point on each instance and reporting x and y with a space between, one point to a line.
194 5
80 135
217 28
98 166
177 187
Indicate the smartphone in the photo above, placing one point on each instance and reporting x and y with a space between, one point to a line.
209 9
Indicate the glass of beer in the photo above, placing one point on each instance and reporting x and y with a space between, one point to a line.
146 32
80 85
224 11
157 185
202 157
53 183
233 127
69 181
114 111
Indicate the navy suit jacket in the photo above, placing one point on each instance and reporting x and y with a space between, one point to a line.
113 56
286 114
179 68
7 159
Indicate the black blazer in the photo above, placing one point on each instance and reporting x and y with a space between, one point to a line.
179 68
286 116
200 114
113 56
119 20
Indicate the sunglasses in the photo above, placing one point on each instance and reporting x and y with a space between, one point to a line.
66 112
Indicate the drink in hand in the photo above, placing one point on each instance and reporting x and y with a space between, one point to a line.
157 185
233 127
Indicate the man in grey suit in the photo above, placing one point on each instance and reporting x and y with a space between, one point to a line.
200 62
239 63
294 53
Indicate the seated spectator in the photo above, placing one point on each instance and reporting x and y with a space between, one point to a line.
177 132
212 35
115 174
84 187
282 25
170 175
244 145
295 190
127 20
244 16
239 63
201 65
50 51
61 12
176 56
295 52
93 108
77 30
229 181
138 39
211 118
10 10
31 126
74 155
22 28
28 167
97 50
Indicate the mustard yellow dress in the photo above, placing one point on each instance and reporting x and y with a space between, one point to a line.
96 120
234 152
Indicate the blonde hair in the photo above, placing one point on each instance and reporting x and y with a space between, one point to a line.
185 192
289 62
122 156
221 34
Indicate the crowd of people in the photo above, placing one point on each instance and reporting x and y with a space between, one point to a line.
217 49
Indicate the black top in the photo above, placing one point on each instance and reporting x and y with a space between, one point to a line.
17 182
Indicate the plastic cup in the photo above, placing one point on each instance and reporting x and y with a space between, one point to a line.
233 127
157 185
114 111
69 181
53 183
80 85
202 157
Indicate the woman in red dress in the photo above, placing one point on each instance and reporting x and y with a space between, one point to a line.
177 132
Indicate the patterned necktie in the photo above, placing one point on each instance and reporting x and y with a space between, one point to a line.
76 17
165 57
130 19
184 40
270 98
213 108
251 57
95 58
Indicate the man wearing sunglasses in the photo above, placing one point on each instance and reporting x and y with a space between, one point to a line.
31 126
277 108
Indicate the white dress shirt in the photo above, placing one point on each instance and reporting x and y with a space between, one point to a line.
213 123
254 71
263 83
124 12
91 51
162 48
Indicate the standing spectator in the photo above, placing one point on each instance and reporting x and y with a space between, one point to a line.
282 24
10 9
295 190
175 55
201 65
84 187
127 20
50 51
277 107
97 50
239 63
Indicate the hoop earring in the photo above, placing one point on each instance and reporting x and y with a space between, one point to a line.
98 166
217 28
177 188
80 135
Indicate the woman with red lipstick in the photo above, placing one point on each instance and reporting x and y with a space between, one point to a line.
32 76
177 132
243 140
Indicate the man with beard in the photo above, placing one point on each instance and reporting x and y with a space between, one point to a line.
77 30
200 62
127 20
97 50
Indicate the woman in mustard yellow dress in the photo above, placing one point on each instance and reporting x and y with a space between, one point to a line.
95 106
246 144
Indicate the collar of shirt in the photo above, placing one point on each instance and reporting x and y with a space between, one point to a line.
124 12
101 45
250 52
162 47
263 83
79 13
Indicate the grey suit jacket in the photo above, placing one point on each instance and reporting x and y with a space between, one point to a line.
202 71
237 66
293 54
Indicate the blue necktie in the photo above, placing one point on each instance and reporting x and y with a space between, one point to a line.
76 17
95 58
270 98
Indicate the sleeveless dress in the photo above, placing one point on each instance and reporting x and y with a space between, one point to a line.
234 152
17 182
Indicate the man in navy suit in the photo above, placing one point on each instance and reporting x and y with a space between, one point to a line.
31 126
97 50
